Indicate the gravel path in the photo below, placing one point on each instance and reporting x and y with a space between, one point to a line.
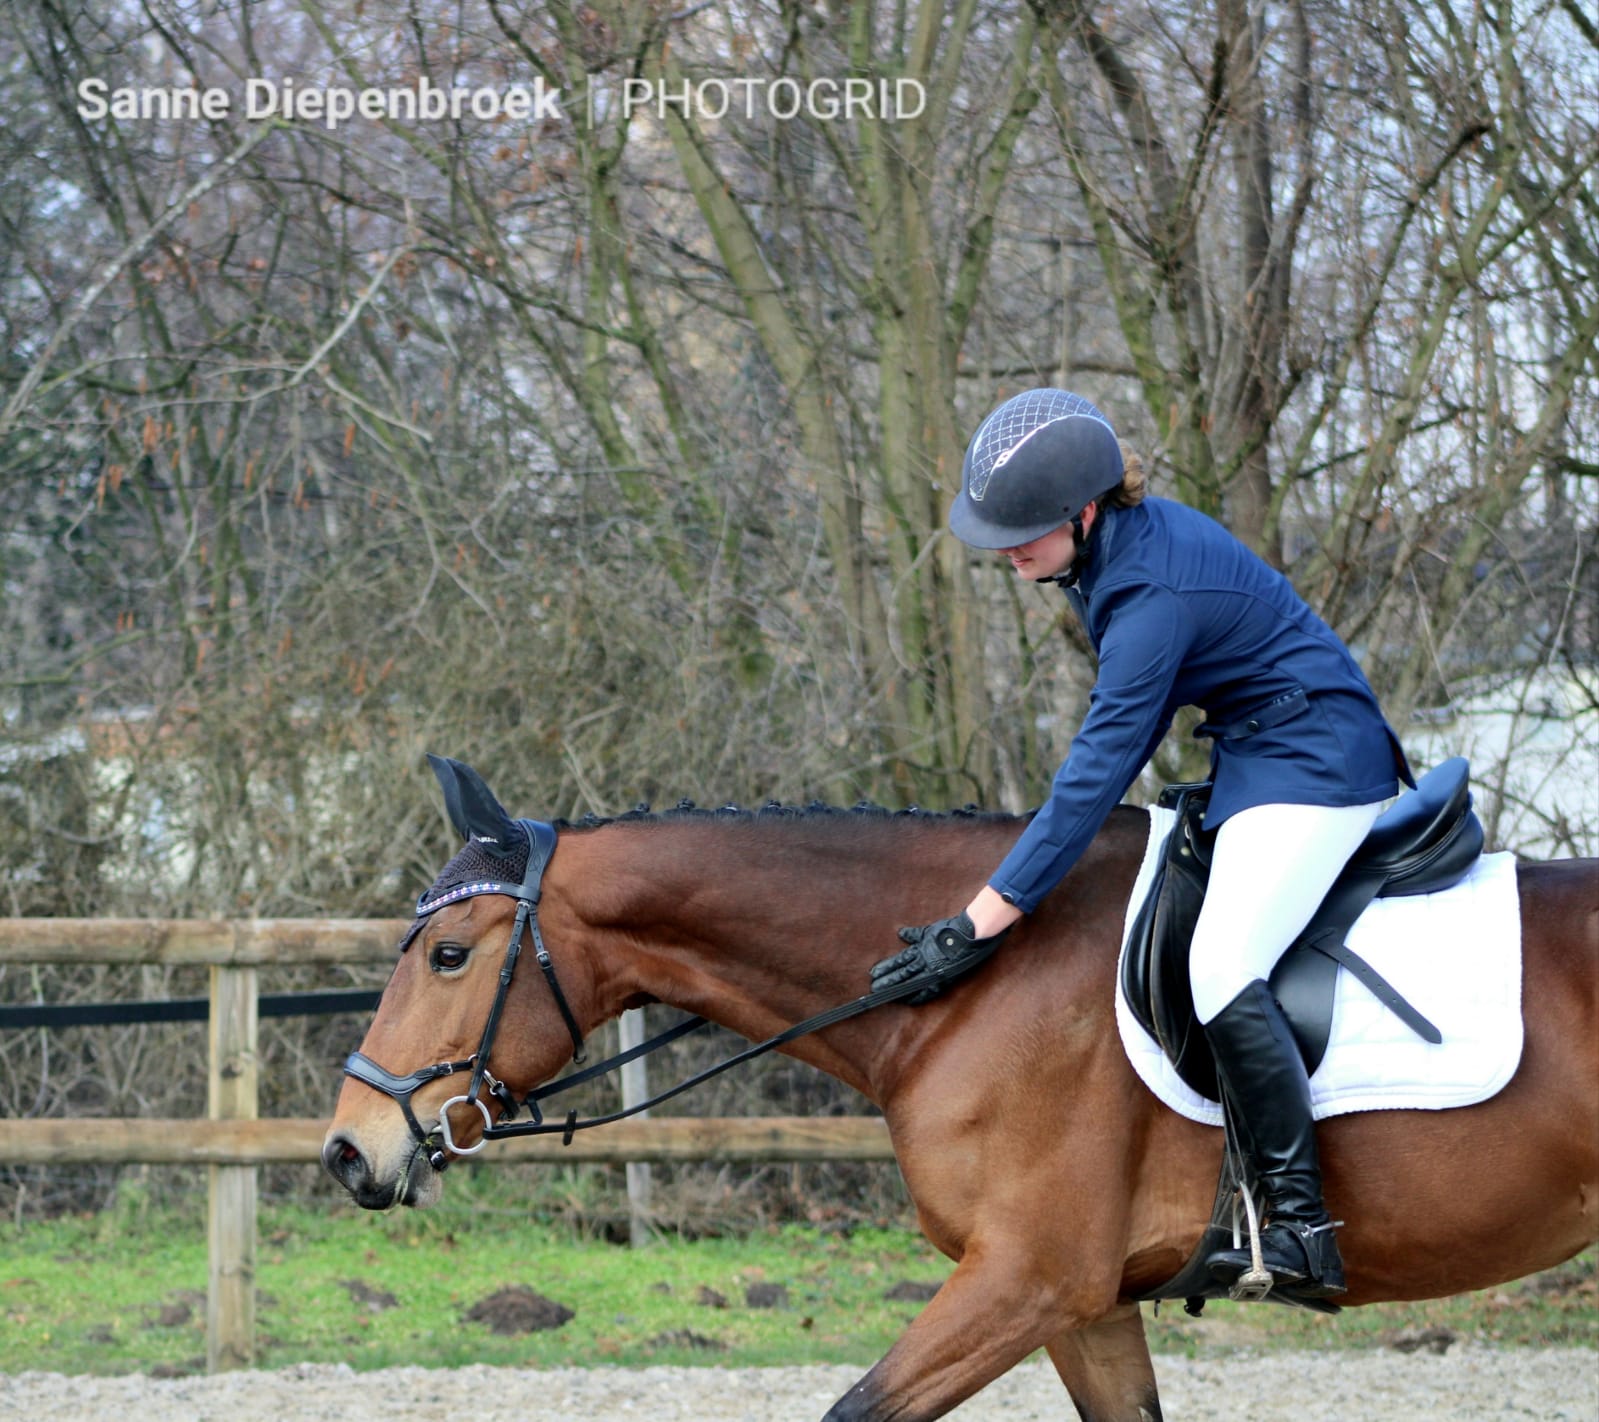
1465 1384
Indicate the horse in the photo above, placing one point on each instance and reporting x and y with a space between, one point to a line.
1035 1157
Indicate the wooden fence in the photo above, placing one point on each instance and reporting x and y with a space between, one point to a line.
232 1141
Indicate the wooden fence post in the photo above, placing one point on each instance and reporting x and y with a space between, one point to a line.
635 1088
232 1096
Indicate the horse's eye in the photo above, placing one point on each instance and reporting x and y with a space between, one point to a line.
449 957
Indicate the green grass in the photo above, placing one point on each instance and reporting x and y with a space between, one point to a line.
89 1294
123 1291
1557 1308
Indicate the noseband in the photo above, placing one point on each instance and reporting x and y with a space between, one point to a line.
439 1144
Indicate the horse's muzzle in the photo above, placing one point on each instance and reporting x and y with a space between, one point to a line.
348 1164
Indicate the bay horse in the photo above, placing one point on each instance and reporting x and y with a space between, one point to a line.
1036 1158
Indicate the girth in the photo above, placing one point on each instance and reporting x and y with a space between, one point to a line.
1426 841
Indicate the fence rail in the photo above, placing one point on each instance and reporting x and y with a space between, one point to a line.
232 1142
299 1142
236 942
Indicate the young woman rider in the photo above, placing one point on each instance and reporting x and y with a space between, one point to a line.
1182 613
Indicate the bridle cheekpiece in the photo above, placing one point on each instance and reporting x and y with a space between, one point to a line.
440 1144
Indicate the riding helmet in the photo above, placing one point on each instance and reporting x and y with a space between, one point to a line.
1034 464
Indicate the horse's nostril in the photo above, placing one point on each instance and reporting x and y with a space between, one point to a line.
343 1160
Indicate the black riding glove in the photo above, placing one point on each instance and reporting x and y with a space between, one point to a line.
940 952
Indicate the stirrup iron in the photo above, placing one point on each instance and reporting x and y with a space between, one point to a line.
1255 1282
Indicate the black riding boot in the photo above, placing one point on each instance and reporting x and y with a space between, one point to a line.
1263 1075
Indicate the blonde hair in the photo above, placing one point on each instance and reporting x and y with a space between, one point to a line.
1134 485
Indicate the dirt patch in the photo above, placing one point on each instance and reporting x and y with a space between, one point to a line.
518 1309
372 1299
1435 1339
766 1296
178 1310
688 1338
1570 1281
911 1291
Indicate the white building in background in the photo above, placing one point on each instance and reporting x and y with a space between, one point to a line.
1533 744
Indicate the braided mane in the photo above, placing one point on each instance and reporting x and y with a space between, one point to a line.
815 811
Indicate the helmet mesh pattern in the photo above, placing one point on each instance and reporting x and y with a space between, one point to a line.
1014 423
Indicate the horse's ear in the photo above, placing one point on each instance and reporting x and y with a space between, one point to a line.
471 805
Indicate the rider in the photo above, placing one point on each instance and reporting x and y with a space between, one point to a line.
1182 613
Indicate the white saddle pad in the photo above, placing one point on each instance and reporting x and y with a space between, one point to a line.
1456 956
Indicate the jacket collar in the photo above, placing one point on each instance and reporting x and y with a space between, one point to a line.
1101 542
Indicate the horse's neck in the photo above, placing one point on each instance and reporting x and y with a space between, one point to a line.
760 926
755 927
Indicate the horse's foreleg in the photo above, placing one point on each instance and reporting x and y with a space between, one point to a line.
1107 1370
993 1311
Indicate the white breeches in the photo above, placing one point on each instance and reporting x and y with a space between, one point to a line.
1272 866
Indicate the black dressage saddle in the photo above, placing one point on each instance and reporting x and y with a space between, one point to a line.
1426 841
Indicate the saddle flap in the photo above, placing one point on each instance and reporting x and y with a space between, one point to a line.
1155 969
1146 935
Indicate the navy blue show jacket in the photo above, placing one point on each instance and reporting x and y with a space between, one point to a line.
1183 614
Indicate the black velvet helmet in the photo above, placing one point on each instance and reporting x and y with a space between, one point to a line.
1034 464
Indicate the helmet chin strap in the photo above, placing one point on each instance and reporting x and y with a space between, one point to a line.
1079 563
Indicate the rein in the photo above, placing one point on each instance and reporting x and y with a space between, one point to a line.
538 1126
440 1144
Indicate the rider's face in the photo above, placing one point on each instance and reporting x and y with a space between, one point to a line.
1045 557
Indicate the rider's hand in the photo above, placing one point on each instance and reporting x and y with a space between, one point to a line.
940 952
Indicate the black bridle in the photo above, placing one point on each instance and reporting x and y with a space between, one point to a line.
439 1144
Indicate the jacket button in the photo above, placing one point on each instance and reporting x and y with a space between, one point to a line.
1251 725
